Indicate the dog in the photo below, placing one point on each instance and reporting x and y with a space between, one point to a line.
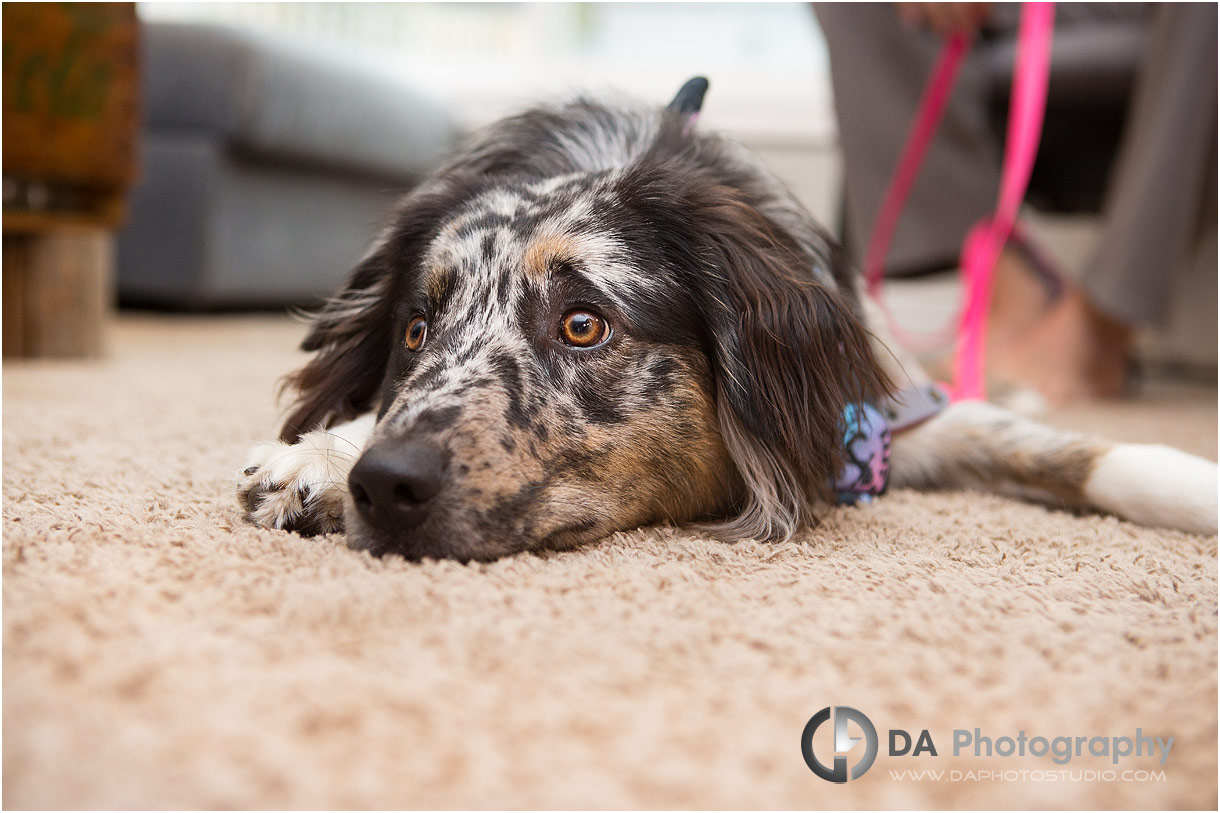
595 317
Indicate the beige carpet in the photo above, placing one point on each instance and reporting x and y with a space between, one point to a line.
159 653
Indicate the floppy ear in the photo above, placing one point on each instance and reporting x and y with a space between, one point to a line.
788 353
351 335
352 348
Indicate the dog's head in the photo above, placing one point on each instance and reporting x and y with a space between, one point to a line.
561 349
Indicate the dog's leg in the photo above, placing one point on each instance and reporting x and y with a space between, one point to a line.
301 486
980 446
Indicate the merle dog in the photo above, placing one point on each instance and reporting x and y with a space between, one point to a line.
595 318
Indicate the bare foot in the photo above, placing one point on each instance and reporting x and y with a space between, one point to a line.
1075 352
1019 299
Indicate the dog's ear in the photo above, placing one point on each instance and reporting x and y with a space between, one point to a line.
352 345
788 352
351 336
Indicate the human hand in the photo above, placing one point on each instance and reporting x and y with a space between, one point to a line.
946 18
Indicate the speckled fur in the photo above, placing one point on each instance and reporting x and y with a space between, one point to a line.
705 405
737 338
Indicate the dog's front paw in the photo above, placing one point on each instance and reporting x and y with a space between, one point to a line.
298 487
302 486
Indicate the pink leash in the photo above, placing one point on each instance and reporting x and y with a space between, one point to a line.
982 246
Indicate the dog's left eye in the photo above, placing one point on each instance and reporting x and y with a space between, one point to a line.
582 328
417 331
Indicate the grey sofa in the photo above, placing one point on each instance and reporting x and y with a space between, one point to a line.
266 167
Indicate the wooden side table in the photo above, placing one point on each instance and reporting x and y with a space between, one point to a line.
71 88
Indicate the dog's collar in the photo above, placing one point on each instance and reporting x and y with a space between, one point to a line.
905 408
867 435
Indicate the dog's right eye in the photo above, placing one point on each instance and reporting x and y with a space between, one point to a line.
582 328
417 331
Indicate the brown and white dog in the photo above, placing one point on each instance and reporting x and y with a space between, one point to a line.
594 319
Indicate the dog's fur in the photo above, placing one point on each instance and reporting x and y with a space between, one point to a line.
736 338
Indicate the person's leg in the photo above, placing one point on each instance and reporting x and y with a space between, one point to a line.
878 69
1156 193
1156 197
879 66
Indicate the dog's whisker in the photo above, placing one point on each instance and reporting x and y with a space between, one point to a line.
342 439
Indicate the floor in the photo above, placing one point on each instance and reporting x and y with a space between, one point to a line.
158 652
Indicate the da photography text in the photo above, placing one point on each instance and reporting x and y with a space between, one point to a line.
856 744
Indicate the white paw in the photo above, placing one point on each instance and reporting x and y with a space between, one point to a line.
300 486
1156 485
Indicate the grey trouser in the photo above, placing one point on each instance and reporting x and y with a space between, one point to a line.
1160 200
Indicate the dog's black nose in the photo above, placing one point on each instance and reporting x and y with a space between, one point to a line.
393 482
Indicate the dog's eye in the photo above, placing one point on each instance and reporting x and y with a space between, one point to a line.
417 331
582 328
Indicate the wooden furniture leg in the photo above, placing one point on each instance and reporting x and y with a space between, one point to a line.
58 292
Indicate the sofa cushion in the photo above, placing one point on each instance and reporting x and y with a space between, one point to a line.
272 96
212 229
